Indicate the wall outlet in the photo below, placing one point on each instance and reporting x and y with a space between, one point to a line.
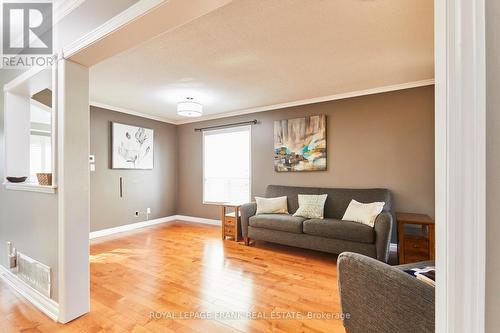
148 210
136 213
12 256
12 260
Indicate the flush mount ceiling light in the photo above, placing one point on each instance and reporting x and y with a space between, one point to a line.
189 108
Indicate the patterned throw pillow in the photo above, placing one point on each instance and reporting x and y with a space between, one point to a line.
311 206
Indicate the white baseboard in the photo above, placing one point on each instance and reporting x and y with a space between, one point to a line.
41 302
138 225
186 218
132 226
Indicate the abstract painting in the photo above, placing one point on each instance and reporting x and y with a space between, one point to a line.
300 144
133 147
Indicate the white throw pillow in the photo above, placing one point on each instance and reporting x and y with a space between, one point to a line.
365 213
311 206
271 205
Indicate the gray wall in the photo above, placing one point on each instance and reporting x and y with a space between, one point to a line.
156 189
492 166
383 140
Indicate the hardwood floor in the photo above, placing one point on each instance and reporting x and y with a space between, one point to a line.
145 280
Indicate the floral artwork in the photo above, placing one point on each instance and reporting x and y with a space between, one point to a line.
132 147
300 144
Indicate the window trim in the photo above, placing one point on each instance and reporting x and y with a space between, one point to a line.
225 130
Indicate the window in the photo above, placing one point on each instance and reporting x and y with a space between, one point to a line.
40 139
226 165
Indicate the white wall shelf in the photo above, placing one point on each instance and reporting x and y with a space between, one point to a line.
31 187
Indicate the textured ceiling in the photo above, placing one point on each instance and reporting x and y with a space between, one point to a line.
254 53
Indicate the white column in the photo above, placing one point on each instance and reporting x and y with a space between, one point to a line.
73 188
460 165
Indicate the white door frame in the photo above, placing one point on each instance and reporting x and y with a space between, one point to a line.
460 165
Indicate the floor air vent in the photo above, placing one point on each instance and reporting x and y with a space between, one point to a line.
35 274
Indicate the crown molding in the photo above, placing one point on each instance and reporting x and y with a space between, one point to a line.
64 8
128 15
351 94
130 112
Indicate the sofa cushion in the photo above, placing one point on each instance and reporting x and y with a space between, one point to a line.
338 229
281 222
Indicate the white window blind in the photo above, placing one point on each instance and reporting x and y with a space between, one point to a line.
40 139
40 154
226 165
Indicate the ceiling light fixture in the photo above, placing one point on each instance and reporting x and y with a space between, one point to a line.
189 108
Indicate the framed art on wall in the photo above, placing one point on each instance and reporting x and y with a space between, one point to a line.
132 147
300 144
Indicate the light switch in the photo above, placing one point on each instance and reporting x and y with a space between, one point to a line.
92 167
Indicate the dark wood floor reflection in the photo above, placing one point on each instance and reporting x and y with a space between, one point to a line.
180 277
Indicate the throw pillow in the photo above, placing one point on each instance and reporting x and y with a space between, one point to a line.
271 205
365 213
311 206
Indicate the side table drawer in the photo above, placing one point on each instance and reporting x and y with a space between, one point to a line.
229 221
416 237
228 231
416 249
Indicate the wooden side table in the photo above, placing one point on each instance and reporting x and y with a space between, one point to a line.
230 221
414 243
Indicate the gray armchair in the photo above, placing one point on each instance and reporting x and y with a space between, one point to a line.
376 297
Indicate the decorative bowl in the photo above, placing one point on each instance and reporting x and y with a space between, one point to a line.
17 179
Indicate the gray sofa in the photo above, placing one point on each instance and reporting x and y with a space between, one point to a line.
330 234
376 297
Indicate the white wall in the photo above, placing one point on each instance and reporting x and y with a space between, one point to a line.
17 151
